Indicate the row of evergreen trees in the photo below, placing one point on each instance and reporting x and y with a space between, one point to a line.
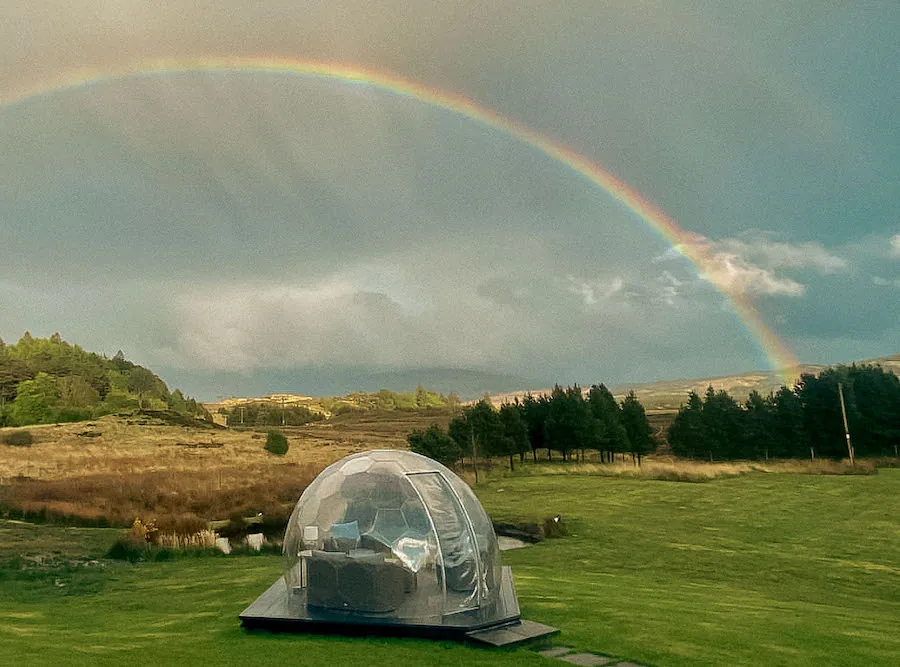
565 421
802 422
47 380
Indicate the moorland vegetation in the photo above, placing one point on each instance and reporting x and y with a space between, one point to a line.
747 568
180 473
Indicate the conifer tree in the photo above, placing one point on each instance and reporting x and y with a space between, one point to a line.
637 428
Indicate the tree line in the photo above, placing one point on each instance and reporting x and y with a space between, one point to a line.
48 380
267 413
385 400
803 422
566 421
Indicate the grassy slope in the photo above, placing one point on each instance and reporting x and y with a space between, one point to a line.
761 569
18 538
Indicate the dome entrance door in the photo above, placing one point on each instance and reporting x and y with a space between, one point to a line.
459 569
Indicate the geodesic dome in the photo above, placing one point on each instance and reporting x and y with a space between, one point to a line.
391 534
392 542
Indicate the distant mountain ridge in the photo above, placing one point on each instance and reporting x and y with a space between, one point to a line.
334 380
669 395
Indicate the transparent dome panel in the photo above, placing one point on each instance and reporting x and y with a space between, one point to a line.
390 533
456 540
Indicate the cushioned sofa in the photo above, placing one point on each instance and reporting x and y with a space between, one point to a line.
360 580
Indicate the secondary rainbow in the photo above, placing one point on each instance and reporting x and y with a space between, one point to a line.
779 355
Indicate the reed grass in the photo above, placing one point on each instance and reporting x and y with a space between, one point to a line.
670 468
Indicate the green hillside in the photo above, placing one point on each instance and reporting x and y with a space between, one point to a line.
48 380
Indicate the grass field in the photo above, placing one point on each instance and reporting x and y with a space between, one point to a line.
760 569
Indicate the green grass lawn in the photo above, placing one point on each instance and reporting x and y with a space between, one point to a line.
764 569
18 538
760 569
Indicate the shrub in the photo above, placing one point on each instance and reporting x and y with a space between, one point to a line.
163 555
128 549
125 548
116 401
276 443
273 525
236 528
435 443
69 415
18 439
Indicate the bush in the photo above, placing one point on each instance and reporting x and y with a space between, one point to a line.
435 443
126 548
276 443
69 415
236 528
18 439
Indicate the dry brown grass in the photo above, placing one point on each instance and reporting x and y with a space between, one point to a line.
113 470
681 470
118 469
179 500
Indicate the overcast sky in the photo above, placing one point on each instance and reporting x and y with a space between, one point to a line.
246 232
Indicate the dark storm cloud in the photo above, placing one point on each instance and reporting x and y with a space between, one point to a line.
244 221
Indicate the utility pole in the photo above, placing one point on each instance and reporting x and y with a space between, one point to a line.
242 415
282 410
846 427
474 451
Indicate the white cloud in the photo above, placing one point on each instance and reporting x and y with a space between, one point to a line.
669 285
634 293
736 275
350 318
761 249
750 264
592 291
728 270
895 245
884 282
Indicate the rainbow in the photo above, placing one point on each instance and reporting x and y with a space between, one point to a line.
776 351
